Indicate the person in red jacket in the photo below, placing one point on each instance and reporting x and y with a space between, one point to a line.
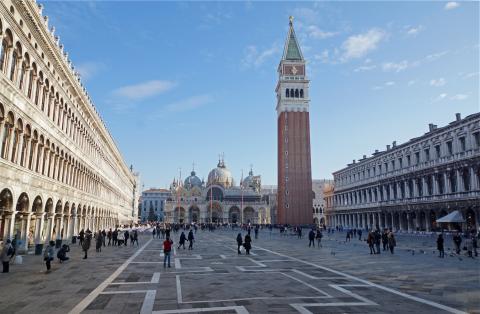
167 248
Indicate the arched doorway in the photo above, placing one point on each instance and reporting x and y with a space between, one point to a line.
248 215
262 216
21 227
179 215
6 207
234 215
215 213
194 214
432 219
423 221
35 221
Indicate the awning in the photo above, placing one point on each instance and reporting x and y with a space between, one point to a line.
454 216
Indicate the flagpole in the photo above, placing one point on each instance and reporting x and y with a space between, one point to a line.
241 209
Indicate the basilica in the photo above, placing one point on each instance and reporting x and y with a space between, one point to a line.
219 200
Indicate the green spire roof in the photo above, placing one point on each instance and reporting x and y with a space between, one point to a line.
292 49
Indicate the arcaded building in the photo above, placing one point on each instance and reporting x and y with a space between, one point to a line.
293 139
60 169
409 186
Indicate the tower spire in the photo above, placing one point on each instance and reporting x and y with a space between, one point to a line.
292 49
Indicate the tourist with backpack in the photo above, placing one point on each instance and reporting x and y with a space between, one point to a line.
167 248
7 254
49 254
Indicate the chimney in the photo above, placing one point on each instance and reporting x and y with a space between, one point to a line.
364 156
376 151
394 144
353 161
458 117
388 147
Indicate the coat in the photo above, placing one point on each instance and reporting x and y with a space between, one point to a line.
4 255
86 243
440 243
239 239
248 242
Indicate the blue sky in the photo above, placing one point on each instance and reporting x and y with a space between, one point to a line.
182 82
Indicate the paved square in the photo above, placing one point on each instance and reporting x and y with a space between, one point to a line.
283 276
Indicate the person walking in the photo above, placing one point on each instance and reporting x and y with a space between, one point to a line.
360 234
49 254
62 253
135 237
239 243
182 240
347 239
248 244
104 237
475 244
457 240
167 248
391 242
440 247
256 231
385 240
126 236
190 239
378 238
7 253
311 238
86 243
115 237
109 236
469 246
153 233
319 236
81 236
370 242
99 241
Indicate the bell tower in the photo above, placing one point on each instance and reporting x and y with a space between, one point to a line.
293 121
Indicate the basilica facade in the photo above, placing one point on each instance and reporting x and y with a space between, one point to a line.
219 200
60 169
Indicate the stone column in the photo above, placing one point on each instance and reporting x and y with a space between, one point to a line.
473 180
446 179
18 153
25 229
381 219
9 225
415 188
435 184
39 221
409 226
428 223
424 187
460 186
51 224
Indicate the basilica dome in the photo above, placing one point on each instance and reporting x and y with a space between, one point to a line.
248 181
221 176
192 181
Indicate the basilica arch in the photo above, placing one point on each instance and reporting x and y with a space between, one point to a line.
249 215
194 214
234 215
215 213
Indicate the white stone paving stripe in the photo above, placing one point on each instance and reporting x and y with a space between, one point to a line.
237 309
308 285
155 278
405 295
179 289
80 307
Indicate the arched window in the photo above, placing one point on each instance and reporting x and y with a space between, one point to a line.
287 93
13 68
292 93
296 93
301 93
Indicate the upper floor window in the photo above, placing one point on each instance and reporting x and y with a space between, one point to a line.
409 161
301 93
287 93
476 139
449 148
400 163
393 165
427 154
462 143
417 158
437 151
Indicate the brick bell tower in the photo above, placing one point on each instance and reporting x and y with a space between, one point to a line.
294 161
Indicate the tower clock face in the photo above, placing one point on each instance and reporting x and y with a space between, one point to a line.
289 69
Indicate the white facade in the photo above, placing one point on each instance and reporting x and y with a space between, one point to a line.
318 187
153 204
60 170
407 187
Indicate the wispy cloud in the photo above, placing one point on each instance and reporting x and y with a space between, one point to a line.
459 97
189 103
438 82
364 68
144 90
414 30
451 5
357 46
317 33
253 57
440 97
88 70
395 67
384 85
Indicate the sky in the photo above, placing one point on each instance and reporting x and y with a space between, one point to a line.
179 83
